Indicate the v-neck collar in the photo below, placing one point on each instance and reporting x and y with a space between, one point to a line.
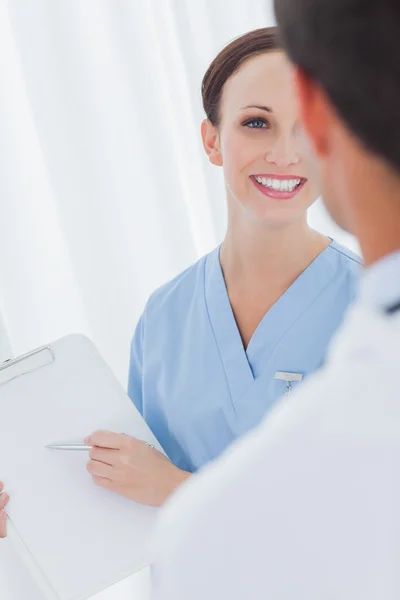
230 346
290 307
273 326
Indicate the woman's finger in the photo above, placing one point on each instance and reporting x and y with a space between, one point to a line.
106 439
3 524
103 482
103 455
3 500
100 469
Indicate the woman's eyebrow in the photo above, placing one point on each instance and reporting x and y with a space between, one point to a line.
266 108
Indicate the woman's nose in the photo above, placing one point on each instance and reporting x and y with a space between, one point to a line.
283 153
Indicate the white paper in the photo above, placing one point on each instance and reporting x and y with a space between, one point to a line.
76 538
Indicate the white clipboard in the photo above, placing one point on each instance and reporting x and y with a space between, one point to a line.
75 537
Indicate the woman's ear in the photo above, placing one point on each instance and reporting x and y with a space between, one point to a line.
210 137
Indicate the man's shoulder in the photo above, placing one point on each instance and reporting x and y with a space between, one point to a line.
338 405
351 401
311 475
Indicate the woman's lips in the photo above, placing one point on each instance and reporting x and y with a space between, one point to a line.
276 194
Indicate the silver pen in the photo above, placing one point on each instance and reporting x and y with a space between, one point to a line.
80 446
68 447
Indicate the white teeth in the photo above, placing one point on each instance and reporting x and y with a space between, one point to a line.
279 185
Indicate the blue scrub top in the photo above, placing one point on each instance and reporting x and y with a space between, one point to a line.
190 376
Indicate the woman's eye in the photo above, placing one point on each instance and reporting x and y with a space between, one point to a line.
256 124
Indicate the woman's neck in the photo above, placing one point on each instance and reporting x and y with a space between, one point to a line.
260 263
255 256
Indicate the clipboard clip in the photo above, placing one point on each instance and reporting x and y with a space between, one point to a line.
44 352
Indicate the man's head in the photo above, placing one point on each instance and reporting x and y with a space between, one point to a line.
346 55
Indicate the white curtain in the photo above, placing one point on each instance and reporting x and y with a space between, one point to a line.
105 192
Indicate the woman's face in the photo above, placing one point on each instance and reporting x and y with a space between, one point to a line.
256 144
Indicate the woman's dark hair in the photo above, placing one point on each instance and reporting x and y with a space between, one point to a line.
229 60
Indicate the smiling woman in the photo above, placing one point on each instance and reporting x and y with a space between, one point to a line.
218 346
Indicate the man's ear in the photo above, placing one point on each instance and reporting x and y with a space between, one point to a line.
210 137
315 112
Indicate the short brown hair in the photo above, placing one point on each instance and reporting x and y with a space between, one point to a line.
229 60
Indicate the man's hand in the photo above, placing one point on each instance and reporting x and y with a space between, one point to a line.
132 468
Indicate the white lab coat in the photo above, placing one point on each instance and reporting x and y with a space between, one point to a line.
307 507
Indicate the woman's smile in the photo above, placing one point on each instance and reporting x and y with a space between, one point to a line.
279 187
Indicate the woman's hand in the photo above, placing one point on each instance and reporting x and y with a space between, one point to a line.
132 468
3 516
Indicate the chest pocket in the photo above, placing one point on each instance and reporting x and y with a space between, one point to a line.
289 381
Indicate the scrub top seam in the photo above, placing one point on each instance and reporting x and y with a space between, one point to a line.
339 251
143 328
144 319
288 330
213 332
